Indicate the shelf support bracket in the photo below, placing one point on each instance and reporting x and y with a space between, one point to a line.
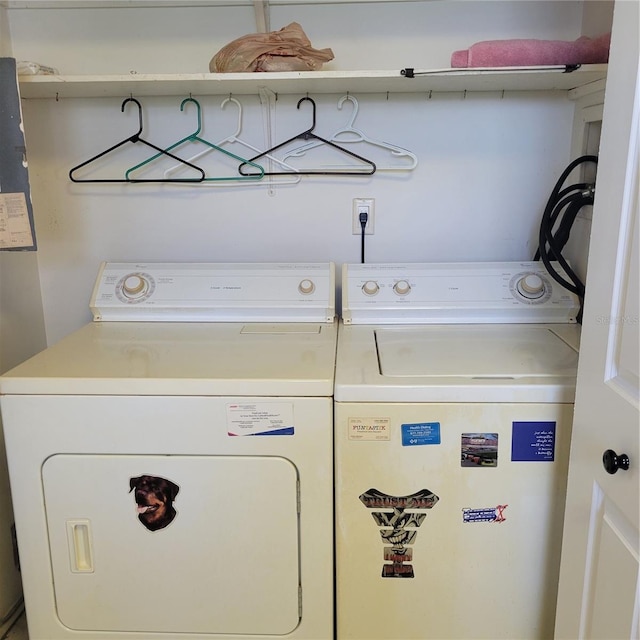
268 104
261 9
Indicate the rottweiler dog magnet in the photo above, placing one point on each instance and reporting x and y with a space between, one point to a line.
154 499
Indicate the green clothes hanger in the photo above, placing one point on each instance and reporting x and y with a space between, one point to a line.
134 139
194 137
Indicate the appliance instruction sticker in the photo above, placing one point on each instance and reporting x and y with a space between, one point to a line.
533 441
420 433
15 228
260 419
369 429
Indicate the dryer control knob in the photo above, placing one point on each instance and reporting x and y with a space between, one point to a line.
402 287
371 287
531 286
134 285
306 286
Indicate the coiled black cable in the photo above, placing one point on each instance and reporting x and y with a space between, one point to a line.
563 206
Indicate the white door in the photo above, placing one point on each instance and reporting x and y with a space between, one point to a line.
174 543
598 591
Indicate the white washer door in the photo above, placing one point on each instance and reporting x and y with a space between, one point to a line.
227 562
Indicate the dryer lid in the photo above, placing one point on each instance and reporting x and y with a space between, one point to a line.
485 351
190 358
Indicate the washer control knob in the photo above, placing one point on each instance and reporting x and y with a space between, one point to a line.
134 285
306 286
531 286
402 287
370 287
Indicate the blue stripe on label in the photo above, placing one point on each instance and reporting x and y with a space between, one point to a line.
285 431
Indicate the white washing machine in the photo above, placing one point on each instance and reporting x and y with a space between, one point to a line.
453 409
171 463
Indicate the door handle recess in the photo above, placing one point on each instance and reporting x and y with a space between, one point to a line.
80 551
612 461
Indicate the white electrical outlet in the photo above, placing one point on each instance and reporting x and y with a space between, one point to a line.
360 205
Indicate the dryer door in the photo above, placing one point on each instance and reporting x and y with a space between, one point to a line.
192 544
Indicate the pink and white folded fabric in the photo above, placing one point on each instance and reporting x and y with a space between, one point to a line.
530 52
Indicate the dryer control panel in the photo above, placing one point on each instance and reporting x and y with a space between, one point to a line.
478 292
214 292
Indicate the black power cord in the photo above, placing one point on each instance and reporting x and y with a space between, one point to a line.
563 206
363 217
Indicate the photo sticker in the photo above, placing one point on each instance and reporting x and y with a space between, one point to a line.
479 450
154 498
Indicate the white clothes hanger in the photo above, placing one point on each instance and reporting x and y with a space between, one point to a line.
235 139
349 134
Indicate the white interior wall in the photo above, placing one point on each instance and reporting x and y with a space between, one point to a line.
596 13
21 317
587 128
21 335
5 34
487 162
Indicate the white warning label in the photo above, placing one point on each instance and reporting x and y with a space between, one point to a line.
260 419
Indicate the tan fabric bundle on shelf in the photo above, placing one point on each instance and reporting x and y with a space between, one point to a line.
288 49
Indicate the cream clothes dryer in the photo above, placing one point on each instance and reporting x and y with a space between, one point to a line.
171 462
10 584
454 391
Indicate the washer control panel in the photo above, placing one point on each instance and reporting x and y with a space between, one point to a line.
489 292
214 292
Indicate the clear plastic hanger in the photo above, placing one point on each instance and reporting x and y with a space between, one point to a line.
307 134
194 137
233 138
349 134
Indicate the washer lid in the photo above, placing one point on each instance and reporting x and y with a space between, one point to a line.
457 363
486 351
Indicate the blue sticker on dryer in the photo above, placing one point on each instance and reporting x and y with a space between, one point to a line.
420 433
533 441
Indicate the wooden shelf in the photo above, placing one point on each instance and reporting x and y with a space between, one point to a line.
201 84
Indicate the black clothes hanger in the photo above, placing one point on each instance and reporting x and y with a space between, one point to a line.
308 135
136 138
195 137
